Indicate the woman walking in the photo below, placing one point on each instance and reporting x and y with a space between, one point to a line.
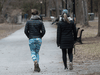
66 36
35 30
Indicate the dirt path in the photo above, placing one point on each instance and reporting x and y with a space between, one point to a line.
85 60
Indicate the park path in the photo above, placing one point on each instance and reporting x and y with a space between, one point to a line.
15 56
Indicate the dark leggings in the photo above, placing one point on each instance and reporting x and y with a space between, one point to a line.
64 56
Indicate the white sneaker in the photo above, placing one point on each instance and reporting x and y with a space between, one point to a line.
70 66
66 69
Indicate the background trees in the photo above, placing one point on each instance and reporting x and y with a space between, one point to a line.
99 18
82 12
83 7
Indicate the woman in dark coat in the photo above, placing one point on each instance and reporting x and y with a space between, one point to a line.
66 36
35 30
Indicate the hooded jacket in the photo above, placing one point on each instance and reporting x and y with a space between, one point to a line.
66 34
34 28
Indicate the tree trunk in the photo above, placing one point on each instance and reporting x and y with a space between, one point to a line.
57 9
98 18
48 8
85 13
81 12
2 3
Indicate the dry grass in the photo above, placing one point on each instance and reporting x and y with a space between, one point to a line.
7 29
90 49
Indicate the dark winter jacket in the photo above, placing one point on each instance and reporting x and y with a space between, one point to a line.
34 28
66 34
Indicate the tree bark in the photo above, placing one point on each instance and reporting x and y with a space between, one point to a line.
78 4
57 9
48 8
2 3
81 12
85 13
98 18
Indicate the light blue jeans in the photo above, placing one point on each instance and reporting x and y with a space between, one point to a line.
35 45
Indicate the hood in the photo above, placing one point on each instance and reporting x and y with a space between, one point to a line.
70 19
35 17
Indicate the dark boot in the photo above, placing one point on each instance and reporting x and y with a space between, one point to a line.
36 66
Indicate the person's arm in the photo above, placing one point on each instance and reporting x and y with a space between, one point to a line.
43 30
41 17
26 30
74 31
58 34
56 20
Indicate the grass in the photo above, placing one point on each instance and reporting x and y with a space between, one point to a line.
7 29
90 49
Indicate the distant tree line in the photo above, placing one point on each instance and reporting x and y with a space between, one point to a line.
24 5
27 5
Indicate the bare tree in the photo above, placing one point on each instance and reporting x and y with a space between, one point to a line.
81 12
78 10
1 3
56 7
48 8
1 11
85 13
99 18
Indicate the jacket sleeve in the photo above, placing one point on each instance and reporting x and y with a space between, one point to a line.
58 35
26 30
74 31
43 30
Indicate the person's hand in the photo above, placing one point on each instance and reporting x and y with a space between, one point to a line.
74 42
51 23
74 20
58 45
